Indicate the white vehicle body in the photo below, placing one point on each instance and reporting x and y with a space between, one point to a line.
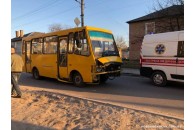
163 53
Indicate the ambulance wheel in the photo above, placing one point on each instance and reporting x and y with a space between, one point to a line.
36 74
78 80
159 79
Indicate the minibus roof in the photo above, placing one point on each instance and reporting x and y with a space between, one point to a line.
62 32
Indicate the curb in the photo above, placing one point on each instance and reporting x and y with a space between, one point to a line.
133 108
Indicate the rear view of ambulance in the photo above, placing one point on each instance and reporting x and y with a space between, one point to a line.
162 57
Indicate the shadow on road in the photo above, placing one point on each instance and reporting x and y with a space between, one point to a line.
16 125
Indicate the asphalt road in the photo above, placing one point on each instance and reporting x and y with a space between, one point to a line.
130 91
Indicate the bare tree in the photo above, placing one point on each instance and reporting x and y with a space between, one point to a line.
161 4
169 19
120 42
57 27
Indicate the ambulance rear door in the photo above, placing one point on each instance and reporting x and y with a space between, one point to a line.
180 57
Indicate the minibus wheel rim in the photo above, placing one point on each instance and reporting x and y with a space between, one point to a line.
77 80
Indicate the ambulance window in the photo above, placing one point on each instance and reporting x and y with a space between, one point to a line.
181 49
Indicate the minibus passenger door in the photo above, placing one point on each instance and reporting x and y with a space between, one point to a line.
28 56
62 58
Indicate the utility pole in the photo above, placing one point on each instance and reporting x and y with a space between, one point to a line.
82 11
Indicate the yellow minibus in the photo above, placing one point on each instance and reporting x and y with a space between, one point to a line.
79 55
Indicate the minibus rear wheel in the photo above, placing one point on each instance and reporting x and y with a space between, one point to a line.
159 79
78 80
36 73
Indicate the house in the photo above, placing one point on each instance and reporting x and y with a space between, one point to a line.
17 41
165 20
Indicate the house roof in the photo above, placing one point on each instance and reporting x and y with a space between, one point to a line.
170 11
19 38
25 35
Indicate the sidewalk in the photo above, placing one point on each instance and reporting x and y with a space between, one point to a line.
130 71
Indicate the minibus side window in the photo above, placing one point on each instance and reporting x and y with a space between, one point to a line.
50 45
28 51
37 46
80 43
71 43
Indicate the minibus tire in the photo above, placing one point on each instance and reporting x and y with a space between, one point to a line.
103 78
78 80
36 74
159 79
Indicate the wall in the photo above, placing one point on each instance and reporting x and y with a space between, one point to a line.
137 32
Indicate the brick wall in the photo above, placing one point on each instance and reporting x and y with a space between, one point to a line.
137 32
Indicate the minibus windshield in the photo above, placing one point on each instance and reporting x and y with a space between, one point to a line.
103 44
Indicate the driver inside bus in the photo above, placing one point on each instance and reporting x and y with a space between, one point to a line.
78 44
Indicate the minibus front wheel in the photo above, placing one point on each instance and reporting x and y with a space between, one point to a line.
78 80
103 78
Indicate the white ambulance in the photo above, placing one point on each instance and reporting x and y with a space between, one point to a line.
162 57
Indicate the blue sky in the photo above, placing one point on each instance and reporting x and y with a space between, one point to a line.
37 15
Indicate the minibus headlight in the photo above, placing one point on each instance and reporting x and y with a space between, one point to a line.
99 69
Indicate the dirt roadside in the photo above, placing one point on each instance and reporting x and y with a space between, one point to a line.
49 110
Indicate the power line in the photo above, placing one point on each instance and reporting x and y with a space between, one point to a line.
36 10
50 16
113 9
41 8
